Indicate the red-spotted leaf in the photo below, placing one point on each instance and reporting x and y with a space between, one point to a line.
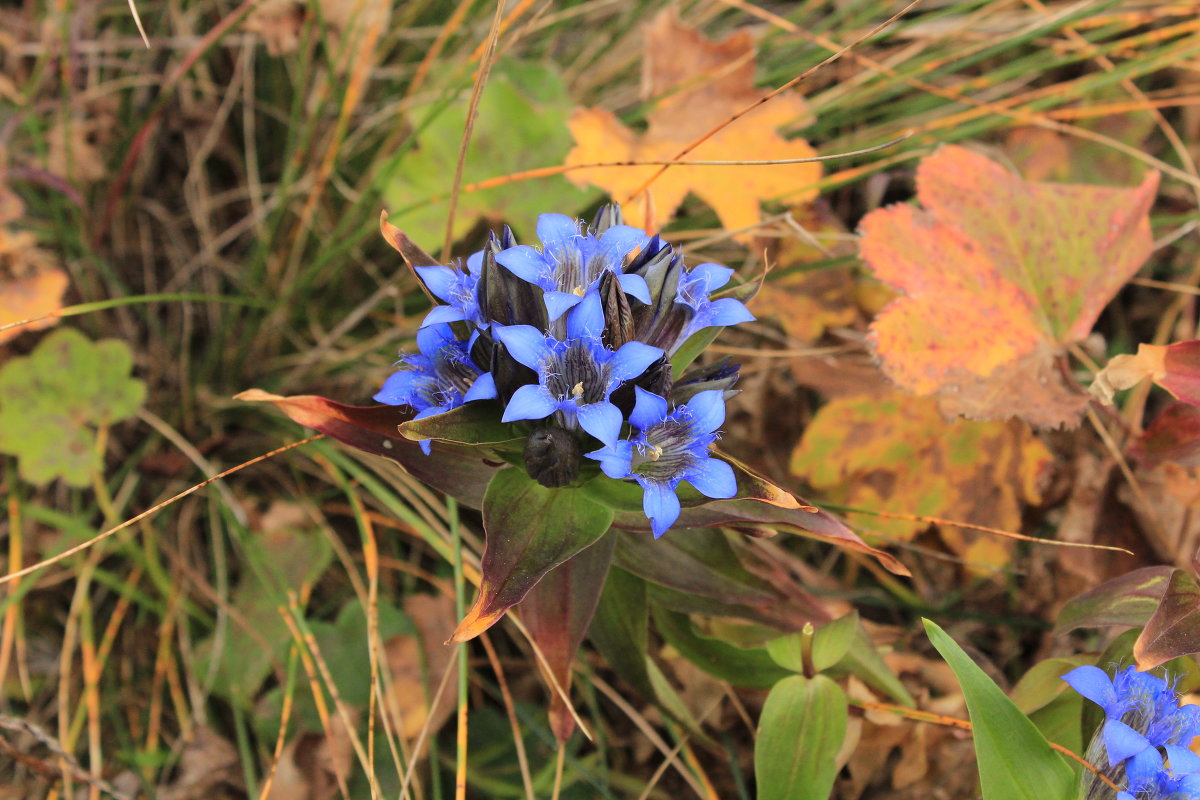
1127 600
1174 435
1175 367
1174 628
529 531
999 276
457 471
557 612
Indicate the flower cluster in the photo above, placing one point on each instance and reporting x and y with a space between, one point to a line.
574 338
1143 723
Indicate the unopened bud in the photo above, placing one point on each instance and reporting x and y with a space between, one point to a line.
552 457
618 318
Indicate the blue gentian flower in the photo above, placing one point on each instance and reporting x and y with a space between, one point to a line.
440 377
576 376
1149 778
670 447
695 287
1141 710
572 261
456 288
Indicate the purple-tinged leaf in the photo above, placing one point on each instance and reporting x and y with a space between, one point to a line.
457 471
1174 628
1128 600
1174 435
529 531
557 612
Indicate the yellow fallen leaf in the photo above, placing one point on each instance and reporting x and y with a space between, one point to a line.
701 83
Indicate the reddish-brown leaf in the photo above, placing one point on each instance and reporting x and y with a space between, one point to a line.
999 276
1174 629
457 471
1175 367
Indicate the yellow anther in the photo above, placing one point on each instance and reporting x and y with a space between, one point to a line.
655 452
577 291
577 389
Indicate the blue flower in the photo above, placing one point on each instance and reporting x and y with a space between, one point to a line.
440 377
669 447
456 288
1149 778
572 260
576 376
695 287
1142 713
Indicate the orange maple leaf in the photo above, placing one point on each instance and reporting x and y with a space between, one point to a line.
1000 275
701 84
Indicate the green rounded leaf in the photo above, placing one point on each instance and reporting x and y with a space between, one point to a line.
800 732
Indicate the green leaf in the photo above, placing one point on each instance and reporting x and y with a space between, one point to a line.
52 400
1174 628
521 124
1015 760
800 732
1127 600
282 560
619 628
750 667
473 423
830 643
530 530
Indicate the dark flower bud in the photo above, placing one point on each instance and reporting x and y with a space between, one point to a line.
552 457
607 216
508 373
481 351
618 318
656 379
503 297
721 374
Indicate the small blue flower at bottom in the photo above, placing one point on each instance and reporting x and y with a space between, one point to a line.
1149 778
440 377
670 447
1141 711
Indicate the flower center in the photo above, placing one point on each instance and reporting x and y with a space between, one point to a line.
572 373
667 449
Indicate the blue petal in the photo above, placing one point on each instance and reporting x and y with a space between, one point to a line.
727 311
531 401
714 275
558 302
524 262
1183 761
1143 769
713 478
396 388
525 343
1094 684
556 231
634 285
484 388
602 420
1189 786
432 338
1122 741
619 240
708 410
616 462
660 505
438 280
439 315
648 409
474 262
632 360
586 319
426 446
